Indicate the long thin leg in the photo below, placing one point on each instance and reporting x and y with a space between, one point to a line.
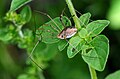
52 27
34 47
48 17
61 17
63 12
35 63
79 50
81 14
30 56
79 19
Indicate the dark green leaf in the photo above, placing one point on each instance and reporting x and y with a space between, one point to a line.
96 27
115 75
51 29
18 3
84 19
62 44
26 13
75 44
45 52
97 56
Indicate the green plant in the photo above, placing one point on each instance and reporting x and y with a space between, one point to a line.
93 47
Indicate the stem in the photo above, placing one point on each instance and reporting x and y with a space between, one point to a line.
41 76
93 73
77 25
73 13
20 31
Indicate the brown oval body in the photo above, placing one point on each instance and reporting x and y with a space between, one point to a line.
67 32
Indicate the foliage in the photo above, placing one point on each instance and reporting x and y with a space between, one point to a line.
115 75
93 47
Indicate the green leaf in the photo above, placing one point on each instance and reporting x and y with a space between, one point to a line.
43 51
62 44
115 75
26 13
16 4
51 29
84 19
96 27
5 35
75 44
83 33
27 40
97 56
26 76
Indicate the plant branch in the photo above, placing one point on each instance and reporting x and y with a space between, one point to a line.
19 29
73 13
93 73
77 25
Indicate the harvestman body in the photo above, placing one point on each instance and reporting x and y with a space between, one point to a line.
67 32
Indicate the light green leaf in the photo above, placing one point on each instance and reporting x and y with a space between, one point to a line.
97 56
26 76
51 29
83 33
16 4
75 44
62 44
115 75
96 27
5 35
26 13
84 19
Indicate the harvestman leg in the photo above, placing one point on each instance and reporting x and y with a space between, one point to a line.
30 56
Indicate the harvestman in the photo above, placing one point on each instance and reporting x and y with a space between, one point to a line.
67 32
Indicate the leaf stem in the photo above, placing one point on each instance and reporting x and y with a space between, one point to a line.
77 25
73 13
93 73
19 29
21 33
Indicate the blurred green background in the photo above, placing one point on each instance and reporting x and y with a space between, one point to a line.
13 59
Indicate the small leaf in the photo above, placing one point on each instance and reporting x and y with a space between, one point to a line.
75 44
62 44
44 51
96 27
5 35
26 13
27 40
15 4
97 56
51 29
83 33
26 76
115 75
23 76
84 19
